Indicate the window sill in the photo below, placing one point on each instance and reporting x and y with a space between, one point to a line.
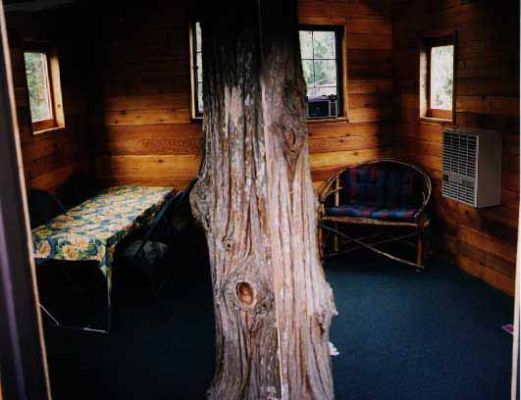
438 120
318 120
309 120
55 129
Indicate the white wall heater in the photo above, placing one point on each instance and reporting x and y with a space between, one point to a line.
472 167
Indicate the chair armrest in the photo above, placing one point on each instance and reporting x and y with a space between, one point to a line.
328 193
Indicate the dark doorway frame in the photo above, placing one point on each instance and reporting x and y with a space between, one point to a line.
24 373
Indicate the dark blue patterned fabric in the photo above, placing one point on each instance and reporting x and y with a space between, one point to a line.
401 189
364 186
361 211
351 210
396 214
378 186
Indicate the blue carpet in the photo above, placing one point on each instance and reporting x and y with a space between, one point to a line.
408 335
401 335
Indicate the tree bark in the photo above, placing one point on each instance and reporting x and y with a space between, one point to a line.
255 200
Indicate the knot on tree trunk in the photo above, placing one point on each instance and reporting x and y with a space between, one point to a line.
248 294
228 243
245 293
292 139
292 144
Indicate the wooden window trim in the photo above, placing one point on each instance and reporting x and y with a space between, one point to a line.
196 113
426 112
54 86
341 67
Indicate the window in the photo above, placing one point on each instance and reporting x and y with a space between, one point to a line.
197 70
442 67
437 80
321 51
42 76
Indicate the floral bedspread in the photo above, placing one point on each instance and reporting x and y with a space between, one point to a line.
91 230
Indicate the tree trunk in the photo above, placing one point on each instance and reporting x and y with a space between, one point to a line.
255 199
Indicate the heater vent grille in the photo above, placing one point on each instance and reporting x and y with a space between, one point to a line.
460 164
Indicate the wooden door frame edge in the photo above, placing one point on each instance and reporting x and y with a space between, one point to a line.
517 317
23 361
24 372
517 306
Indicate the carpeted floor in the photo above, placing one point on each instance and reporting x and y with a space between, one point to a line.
401 335
407 335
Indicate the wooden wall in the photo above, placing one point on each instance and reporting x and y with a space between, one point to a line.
127 96
482 242
146 131
49 158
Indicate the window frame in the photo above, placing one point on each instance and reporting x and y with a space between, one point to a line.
196 113
426 111
53 86
339 31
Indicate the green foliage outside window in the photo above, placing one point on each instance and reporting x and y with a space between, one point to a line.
38 85
198 68
442 71
319 63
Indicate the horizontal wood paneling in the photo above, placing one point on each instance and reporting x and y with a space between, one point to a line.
50 158
482 242
127 100
148 169
145 132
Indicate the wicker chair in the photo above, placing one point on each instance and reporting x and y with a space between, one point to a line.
380 193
